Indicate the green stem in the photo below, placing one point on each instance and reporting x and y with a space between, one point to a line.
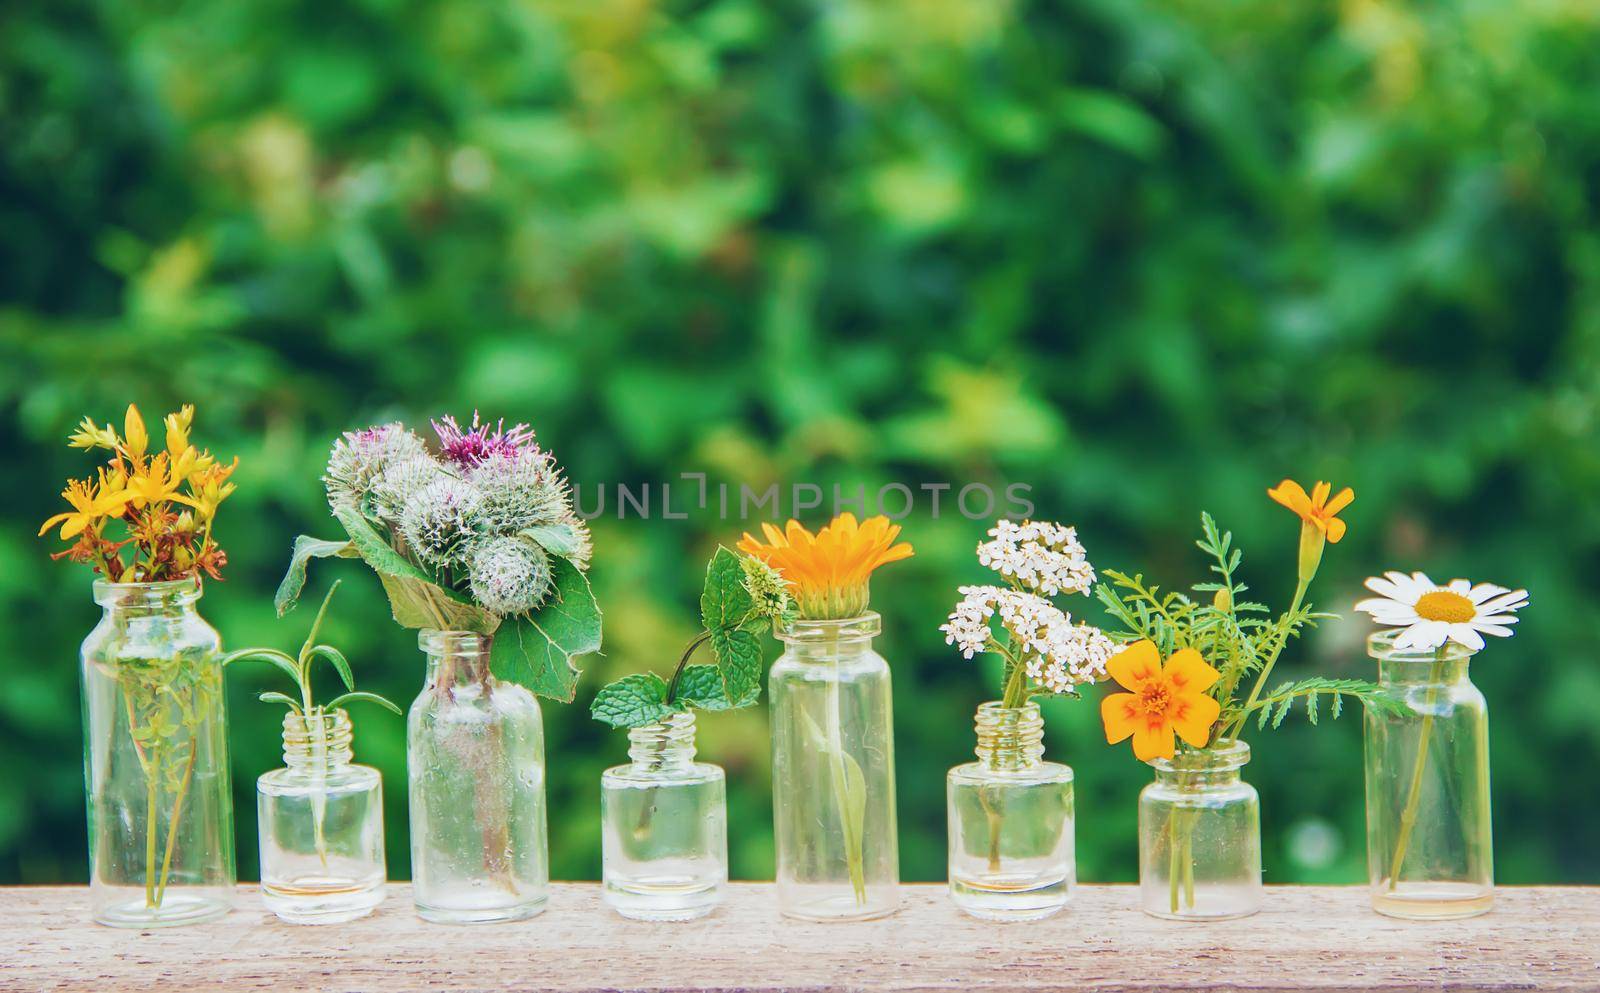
1277 650
854 857
150 838
177 817
1408 817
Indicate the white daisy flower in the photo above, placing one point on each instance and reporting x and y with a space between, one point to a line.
1427 614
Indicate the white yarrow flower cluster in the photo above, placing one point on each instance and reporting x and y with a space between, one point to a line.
1040 556
1057 654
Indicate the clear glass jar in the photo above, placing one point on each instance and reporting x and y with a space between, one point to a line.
475 760
1011 821
833 773
1429 851
321 825
1200 837
156 759
664 827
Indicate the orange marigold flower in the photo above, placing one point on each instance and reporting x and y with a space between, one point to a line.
1316 509
1160 700
828 572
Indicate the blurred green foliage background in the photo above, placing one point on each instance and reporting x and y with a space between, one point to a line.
1146 257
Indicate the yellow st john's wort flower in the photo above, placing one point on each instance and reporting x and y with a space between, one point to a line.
154 482
89 436
829 572
1319 519
90 504
210 487
134 437
177 425
1160 700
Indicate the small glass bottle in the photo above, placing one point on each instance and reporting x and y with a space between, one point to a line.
1011 821
664 827
1429 841
833 772
1200 837
475 761
156 759
321 825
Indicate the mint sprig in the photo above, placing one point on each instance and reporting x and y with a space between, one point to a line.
737 605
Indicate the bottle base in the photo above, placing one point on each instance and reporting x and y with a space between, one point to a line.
322 900
1212 903
1432 901
663 899
176 910
472 905
840 907
1011 898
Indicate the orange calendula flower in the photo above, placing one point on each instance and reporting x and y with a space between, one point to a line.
828 572
1160 700
1316 509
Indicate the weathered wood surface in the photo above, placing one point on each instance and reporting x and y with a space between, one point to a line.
1307 938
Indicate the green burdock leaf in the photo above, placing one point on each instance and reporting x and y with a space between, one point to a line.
306 548
632 701
414 598
539 651
700 686
560 540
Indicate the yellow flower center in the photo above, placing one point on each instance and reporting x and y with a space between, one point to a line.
1447 606
1155 696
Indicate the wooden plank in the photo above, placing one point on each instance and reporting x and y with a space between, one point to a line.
1307 938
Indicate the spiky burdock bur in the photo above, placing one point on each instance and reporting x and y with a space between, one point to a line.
440 523
396 484
508 575
358 458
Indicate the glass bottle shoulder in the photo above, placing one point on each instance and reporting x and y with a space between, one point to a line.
793 668
352 778
692 774
977 774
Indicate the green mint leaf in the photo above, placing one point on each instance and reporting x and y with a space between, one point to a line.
700 686
725 603
632 701
306 548
737 651
539 651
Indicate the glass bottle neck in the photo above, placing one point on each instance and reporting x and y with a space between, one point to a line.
1440 666
456 658
1009 738
1200 769
829 641
124 601
667 746
320 741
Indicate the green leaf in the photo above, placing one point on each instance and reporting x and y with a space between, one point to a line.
272 655
632 701
539 651
560 540
337 659
273 696
415 599
725 603
306 548
361 696
700 686
738 659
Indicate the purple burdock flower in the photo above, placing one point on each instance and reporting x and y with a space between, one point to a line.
475 445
